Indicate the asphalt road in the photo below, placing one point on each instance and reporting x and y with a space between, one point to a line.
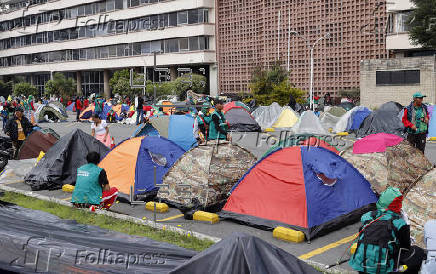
256 143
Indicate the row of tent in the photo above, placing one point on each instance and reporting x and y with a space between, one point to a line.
335 119
328 190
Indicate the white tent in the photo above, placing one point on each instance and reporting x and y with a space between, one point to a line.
346 120
266 116
309 124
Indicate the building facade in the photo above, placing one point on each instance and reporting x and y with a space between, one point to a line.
256 33
89 40
410 68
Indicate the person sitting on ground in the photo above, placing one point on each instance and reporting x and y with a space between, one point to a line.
100 130
316 112
92 187
18 128
384 239
218 124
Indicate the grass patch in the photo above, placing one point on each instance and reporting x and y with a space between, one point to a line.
106 222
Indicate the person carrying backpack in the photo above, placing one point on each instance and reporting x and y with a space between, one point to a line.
384 240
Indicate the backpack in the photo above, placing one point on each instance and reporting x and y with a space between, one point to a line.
378 238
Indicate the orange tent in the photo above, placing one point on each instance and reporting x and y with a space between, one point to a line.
120 164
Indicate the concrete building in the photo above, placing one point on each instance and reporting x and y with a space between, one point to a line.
255 33
410 68
89 40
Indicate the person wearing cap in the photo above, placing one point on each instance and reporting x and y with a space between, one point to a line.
18 128
218 125
415 120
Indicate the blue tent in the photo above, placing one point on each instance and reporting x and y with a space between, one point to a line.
181 131
309 189
132 163
154 152
177 128
432 127
70 107
358 117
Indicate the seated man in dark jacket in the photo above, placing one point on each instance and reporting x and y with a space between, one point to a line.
18 128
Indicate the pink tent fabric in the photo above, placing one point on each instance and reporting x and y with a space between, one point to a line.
376 143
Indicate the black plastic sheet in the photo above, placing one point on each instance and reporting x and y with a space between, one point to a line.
241 253
35 241
60 163
385 119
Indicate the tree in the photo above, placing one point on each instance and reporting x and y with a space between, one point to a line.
5 88
194 82
262 81
280 94
422 23
273 85
60 86
120 83
25 89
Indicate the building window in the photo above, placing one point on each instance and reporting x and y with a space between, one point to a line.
183 44
145 48
398 77
193 43
182 17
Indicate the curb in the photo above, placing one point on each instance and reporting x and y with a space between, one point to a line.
123 217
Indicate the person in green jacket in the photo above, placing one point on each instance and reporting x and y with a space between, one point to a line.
384 239
218 125
92 186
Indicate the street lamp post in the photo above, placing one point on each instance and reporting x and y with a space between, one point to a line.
311 48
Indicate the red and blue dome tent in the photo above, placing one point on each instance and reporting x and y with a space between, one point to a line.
309 189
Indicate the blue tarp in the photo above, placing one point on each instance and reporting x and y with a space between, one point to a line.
181 131
358 117
70 107
154 152
145 130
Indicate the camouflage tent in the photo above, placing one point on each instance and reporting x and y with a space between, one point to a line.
420 205
203 176
399 166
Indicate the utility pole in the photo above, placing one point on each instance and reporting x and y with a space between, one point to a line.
311 48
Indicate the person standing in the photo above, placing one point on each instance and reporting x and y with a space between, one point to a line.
92 187
5 115
139 110
218 125
292 101
100 130
79 108
415 120
18 128
99 104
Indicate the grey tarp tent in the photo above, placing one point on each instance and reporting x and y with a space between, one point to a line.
47 113
60 163
243 253
385 119
266 116
309 123
240 120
